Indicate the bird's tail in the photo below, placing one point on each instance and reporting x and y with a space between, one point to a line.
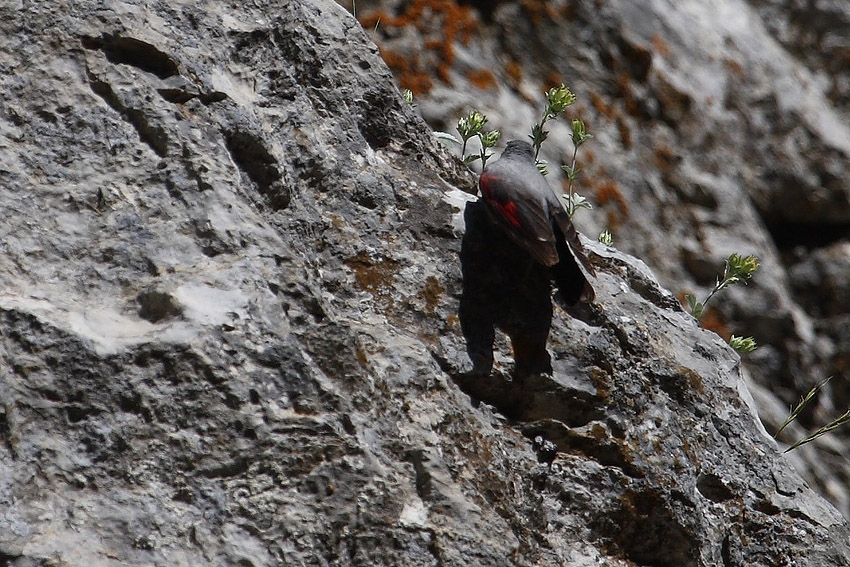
570 279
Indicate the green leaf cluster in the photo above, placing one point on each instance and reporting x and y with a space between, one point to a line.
470 126
739 269
574 200
558 99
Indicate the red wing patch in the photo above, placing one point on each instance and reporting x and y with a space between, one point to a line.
509 212
484 184
508 209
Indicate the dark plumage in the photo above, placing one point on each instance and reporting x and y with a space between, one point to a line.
525 208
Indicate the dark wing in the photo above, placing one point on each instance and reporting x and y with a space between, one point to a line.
570 234
571 281
522 214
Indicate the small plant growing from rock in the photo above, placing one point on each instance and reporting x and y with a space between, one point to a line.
743 344
574 200
407 95
469 126
558 99
841 420
739 269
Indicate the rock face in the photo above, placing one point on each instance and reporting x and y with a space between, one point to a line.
719 128
229 336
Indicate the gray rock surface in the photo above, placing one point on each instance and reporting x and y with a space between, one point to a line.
229 334
719 128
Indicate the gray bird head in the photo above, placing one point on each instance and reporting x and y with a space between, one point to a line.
520 149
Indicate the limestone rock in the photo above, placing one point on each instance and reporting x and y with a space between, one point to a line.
229 335
717 128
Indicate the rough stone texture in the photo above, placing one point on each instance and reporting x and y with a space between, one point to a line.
719 127
228 330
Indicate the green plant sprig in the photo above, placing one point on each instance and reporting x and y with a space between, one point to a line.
471 126
407 95
843 419
795 413
488 140
558 99
743 344
739 269
574 200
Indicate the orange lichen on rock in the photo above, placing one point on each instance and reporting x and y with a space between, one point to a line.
601 106
614 114
735 67
664 157
441 23
537 10
625 91
609 192
625 132
482 78
552 80
568 12
660 45
514 72
408 71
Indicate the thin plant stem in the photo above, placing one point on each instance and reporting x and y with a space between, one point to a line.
717 288
799 407
834 424
570 179
542 123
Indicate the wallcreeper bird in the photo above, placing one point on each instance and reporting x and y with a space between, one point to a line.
520 201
